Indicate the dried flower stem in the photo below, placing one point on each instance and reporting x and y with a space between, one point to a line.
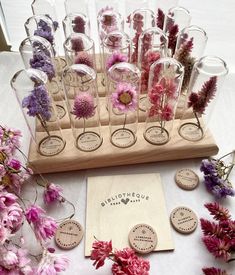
198 121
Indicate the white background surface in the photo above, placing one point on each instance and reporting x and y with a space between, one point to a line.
217 18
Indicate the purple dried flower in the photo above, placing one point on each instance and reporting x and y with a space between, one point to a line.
38 103
79 24
115 58
84 106
42 62
44 30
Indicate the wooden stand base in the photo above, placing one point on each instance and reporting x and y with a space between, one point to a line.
107 154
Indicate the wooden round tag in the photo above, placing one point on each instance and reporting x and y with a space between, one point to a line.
184 220
143 238
69 234
186 179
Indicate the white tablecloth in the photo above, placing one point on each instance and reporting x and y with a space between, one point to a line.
190 255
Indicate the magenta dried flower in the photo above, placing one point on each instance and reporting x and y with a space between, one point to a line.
115 58
214 271
84 58
77 44
78 24
84 106
52 193
125 97
160 19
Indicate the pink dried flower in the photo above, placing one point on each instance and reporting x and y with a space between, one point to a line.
84 58
2 171
14 164
211 228
44 226
160 19
79 24
5 234
108 20
34 213
167 112
127 263
219 248
52 264
8 259
125 97
77 44
169 87
10 138
115 58
6 199
84 106
219 212
155 94
52 193
213 271
12 217
100 251
199 101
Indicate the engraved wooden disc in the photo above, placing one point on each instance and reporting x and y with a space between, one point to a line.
156 135
191 132
123 138
143 238
69 234
89 141
51 146
186 179
184 220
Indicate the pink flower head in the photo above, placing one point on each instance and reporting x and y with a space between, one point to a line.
219 248
6 199
4 234
52 193
125 97
84 58
115 58
77 44
167 112
13 217
34 213
52 264
169 87
214 271
10 137
84 106
155 93
14 164
127 263
101 250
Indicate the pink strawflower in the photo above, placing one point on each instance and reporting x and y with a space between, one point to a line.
44 226
52 193
115 58
127 263
12 217
14 164
6 199
213 271
52 264
5 234
219 248
84 58
34 213
84 106
100 251
125 97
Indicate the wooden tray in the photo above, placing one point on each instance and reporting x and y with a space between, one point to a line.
72 158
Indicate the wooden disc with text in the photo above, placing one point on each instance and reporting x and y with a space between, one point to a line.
184 220
143 238
69 234
186 179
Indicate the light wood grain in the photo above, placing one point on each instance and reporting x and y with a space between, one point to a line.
115 204
108 155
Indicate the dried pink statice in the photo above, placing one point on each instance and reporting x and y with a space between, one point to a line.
199 101
115 58
213 271
125 97
84 106
100 252
84 58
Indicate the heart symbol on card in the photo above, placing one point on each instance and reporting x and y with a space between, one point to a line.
125 201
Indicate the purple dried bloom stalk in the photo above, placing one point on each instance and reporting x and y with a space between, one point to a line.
160 18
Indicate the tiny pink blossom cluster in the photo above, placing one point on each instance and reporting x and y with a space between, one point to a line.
162 97
52 193
219 237
125 261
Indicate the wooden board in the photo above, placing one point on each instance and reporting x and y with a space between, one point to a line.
106 155
121 202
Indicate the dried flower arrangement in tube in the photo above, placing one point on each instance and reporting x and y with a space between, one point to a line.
183 55
216 177
78 24
199 101
125 261
39 105
219 235
15 211
138 25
